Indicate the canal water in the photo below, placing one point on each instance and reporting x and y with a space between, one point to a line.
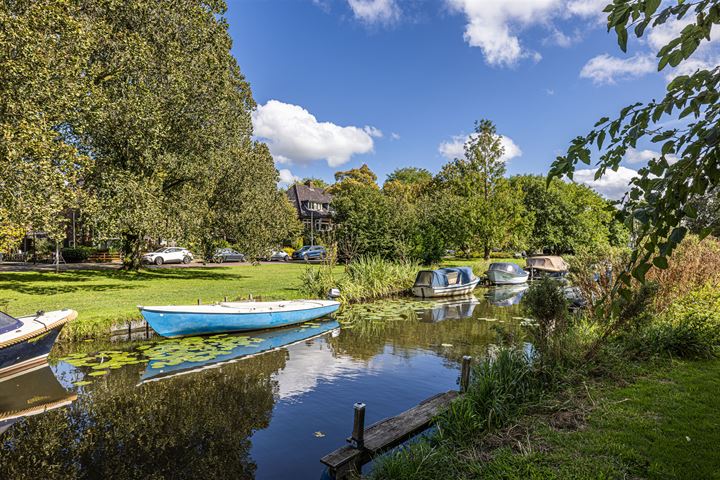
264 405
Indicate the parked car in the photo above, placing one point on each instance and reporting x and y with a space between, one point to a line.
279 256
168 255
227 255
308 252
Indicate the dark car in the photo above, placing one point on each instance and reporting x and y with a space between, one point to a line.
227 255
308 252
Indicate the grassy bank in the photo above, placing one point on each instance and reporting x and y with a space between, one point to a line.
103 297
664 425
658 423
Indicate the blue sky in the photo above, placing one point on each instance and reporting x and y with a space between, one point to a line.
396 83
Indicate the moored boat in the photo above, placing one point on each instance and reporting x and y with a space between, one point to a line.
506 273
179 321
547 265
26 342
445 282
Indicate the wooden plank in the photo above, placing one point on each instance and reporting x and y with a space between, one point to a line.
389 433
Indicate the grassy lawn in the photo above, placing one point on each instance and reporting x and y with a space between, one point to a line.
664 426
102 297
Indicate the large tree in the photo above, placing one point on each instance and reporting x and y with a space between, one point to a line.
684 123
567 217
494 214
45 85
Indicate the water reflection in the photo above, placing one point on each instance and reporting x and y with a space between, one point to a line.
262 405
29 393
506 295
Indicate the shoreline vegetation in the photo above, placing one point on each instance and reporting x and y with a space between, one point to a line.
618 392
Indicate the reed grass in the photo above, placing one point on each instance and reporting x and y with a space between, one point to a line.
367 278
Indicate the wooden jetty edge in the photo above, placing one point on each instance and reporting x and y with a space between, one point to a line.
364 444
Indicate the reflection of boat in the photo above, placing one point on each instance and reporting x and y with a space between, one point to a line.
445 282
30 392
455 309
506 296
222 350
551 266
504 273
26 341
177 321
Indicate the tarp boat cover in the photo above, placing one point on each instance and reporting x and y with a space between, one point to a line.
444 277
547 264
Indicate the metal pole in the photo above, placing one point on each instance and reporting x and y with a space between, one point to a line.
312 229
465 373
73 228
357 440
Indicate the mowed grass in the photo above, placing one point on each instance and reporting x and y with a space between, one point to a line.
104 297
664 426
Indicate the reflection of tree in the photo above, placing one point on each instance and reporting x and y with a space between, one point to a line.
190 426
365 334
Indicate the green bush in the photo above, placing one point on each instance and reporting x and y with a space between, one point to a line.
689 328
546 304
77 254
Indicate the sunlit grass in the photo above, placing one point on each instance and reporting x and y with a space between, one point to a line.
103 297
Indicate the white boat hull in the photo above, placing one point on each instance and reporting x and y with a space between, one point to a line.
497 277
449 291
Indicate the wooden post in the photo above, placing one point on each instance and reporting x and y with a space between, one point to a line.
225 298
357 440
199 303
465 373
147 330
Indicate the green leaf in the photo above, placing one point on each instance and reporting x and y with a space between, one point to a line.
622 37
601 121
651 6
660 262
640 271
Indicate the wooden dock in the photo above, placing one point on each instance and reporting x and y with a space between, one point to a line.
365 444
387 434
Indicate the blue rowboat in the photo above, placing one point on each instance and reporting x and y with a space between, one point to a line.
25 342
212 352
179 321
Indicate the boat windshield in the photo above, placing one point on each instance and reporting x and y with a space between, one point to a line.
507 267
8 323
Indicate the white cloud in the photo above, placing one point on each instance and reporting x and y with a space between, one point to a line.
455 148
395 136
613 185
373 132
634 156
549 92
607 70
295 136
587 8
287 177
375 11
561 39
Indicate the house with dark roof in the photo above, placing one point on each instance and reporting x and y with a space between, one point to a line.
313 207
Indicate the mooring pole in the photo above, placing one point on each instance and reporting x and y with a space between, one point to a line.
199 303
465 373
357 440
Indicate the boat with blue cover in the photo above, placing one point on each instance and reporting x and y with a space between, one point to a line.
224 317
217 351
25 342
445 282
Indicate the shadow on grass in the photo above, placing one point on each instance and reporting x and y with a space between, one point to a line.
48 283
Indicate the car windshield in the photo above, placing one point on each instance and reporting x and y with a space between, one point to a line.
304 249
162 250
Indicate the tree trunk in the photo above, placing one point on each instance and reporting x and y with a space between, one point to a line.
487 252
131 251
